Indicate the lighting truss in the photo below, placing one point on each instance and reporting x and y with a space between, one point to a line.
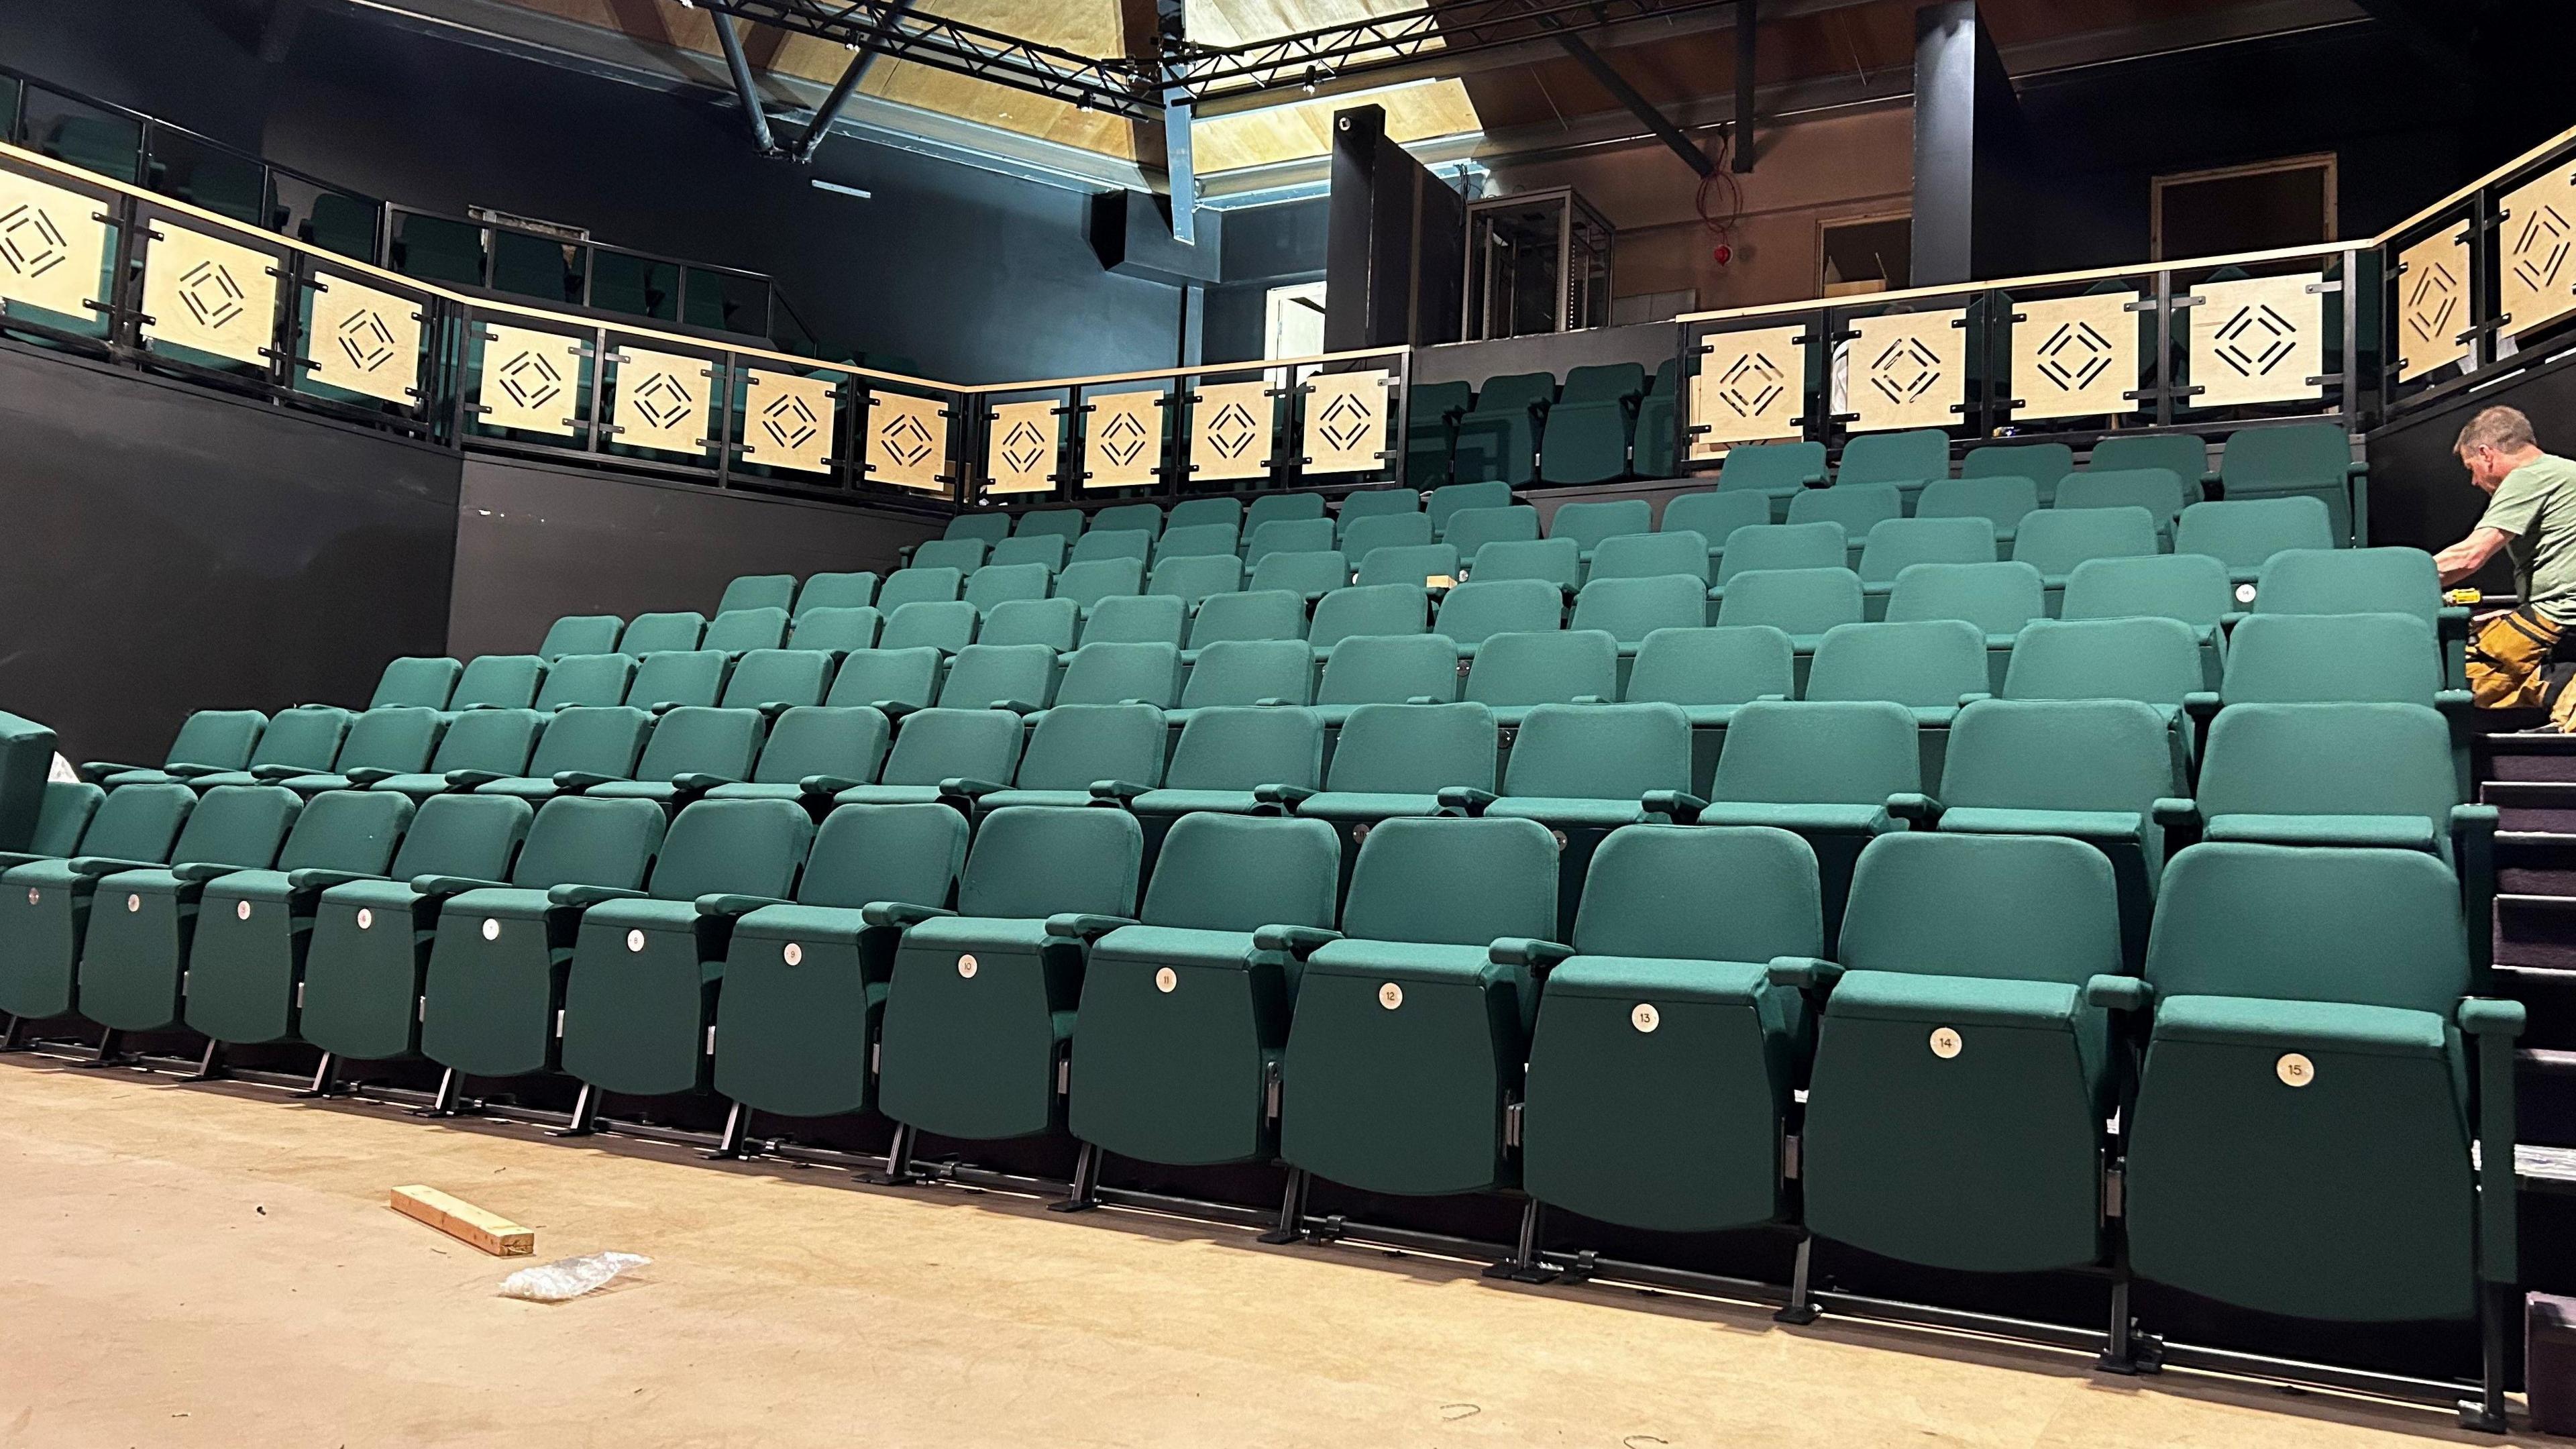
1115 85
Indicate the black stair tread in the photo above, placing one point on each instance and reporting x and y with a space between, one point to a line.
2548 1169
2535 902
2528 792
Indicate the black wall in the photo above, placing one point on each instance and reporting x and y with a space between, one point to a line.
1265 247
969 274
173 549
536 541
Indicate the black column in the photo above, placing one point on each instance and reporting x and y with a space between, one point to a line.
1972 153
1394 246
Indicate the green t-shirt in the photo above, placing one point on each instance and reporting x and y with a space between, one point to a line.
2536 503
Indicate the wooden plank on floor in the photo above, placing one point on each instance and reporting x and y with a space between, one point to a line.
464 1221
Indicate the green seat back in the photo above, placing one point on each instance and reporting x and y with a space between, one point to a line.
139 822
1194 512
1794 601
63 811
2300 453
582 634
1927 665
576 840
948 744
996 584
1555 667
2001 907
2329 759
1117 673
1479 609
1127 518
2184 454
2191 587
1376 609
1414 749
1909 457
587 679
593 739
1197 540
1996 597
650 633
1390 669
1191 579
2055 540
307 737
1712 666
355 830
471 836
1472 528
415 680
886 676
678 677
227 739
1289 535
1047 623
2154 661
1442 505
1385 530
1604 382
2350 581
943 624
965 555
1453 882
1701 893
1046 550
847 743
1407 564
1374 503
1302 571
1243 872
239 825
1847 753
839 629
2050 754
2000 500
498 740
1088 584
2046 462
692 741
1629 609
837 591
1858 507
1064 521
400 739
1103 545
1239 749
1715 515
1587 524
1555 562
1137 619
2245 533
990 527
732 847
919 585
758 591
1249 671
1033 861
1266 614
1077 744
987 676
498 681
1898 544
1779 546
1435 402
1285 506
868 853
778 677
2157 490
1515 390
2370 927
2320 658
1769 465
1651 555
1599 752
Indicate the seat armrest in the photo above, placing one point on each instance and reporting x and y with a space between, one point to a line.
1297 941
893 709
899 913
1023 708
2494 1024
198 872
2119 993
1083 926
1466 799
771 709
730 906
1527 951
1274 701
452 885
2455 704
468 779
1917 810
2202 706
1282 798
697 783
316 879
1807 973
572 893
1116 792
2488 1016
1419 699
827 786
367 775
1771 699
1594 698
1673 805
271 774
1973 696
94 865
661 707
2181 822
95 770
959 787
576 781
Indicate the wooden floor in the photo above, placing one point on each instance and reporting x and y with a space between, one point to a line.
216 1265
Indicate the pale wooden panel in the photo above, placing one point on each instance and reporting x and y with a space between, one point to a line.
2538 279
1122 441
51 246
2075 357
1230 430
528 379
2258 340
1346 422
1025 439
208 294
2432 304
1749 388
364 340
787 420
662 400
907 441
1908 371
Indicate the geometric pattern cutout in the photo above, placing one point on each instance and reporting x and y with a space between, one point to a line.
1908 371
1023 438
363 341
51 246
2257 341
1230 430
209 295
530 380
661 401
907 441
2537 280
1122 446
2074 357
1346 421
787 420
1750 388
2432 304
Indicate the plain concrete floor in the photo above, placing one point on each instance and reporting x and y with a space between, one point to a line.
215 1265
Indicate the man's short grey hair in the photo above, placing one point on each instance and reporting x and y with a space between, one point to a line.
2504 429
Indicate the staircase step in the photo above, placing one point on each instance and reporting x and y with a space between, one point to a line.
2532 794
2544 1098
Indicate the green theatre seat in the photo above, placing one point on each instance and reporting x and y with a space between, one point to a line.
918 585
1134 545
933 745
133 960
1197 540
890 681
1479 609
1195 577
1778 546
1858 507
980 1008
991 527
1498 438
1416 563
415 680
1999 598
1584 771
299 741
1282 507
1801 603
498 681
1776 471
1072 752
1932 667
2336 775
395 741
1553 561
1046 550
655 633
1066 522
2366 581
1226 754
962 554
1194 512
2001 501
1374 503
1361 536
584 634
2157 490
2244 534
2304 1118
496 742
945 625
1899 544
1630 609
641 989
1121 674
1653 433
1355 612
2150 660
1138 619
2320 658
1908 459
1650 555
2301 460
1955 1109
587 679
370 941
1288 535
2189 587
1144 518
2045 463
1662 1067
64 809
809 740
690 752
1822 770
1715 516
1051 623
1587 524
1710 673
1247 671
209 742
2054 541
45 904
1589 428
763 591
1442 505
245 967
1472 528
1308 573
1395 759
676 678
1406 1044
805 981
1519 672
1382 669
997 584
496 969
581 744
2185 455
1183 1019
1016 677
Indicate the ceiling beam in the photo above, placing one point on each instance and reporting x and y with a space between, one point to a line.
861 62
1644 110
745 89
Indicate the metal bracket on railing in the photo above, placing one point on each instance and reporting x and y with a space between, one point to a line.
2143 304
2319 289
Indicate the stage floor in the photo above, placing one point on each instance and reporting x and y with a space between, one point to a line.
215 1265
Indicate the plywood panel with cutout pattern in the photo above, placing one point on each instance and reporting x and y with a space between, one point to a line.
1230 430
53 246
662 400
207 294
1750 387
2432 304
2537 281
1346 422
529 380
907 441
1908 370
1122 439
363 340
1023 441
2075 357
2258 340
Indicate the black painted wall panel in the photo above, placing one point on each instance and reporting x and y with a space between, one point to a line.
175 549
535 542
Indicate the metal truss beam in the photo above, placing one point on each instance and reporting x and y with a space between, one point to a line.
891 28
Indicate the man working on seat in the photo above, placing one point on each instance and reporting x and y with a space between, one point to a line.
2531 514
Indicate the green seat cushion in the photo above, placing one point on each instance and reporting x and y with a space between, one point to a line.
650 915
2334 1025
1411 959
967 933
524 788
1955 1000
1174 944
888 795
1182 802
375 895
1634 977
1607 814
803 923
416 786
1856 819
2403 832
658 790
1065 798
266 886
755 790
2086 824
155 881
1366 805
510 903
